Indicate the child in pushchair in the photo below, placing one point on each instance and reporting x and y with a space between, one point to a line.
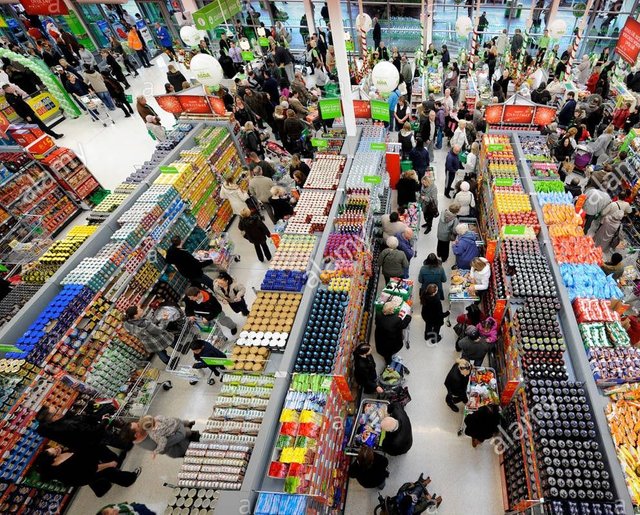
411 499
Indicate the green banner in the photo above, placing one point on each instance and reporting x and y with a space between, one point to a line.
216 13
627 140
514 230
330 108
504 181
350 46
319 142
247 55
263 41
378 146
380 110
9 348
372 179
218 362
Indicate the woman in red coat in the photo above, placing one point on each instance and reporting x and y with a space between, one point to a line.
620 116
593 80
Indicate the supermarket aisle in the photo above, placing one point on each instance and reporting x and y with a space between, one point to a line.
185 401
468 479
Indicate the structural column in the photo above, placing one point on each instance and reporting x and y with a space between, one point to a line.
577 38
80 16
428 22
311 24
342 64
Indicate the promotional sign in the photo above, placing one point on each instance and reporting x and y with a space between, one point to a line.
330 108
169 103
493 113
362 109
45 105
380 110
216 13
319 143
372 179
378 146
4 124
45 7
518 114
217 105
628 44
544 115
194 104
40 146
144 30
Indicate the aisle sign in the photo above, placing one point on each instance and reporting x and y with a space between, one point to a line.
169 169
319 142
628 45
380 110
330 108
514 230
378 146
372 179
504 181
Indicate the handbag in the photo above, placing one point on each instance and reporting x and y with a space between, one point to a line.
431 209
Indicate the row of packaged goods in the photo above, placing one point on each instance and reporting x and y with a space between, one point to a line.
532 361
78 343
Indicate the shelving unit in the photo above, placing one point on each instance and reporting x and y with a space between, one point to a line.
71 173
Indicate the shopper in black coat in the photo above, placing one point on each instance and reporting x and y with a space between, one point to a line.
255 231
116 69
175 78
407 187
397 426
369 468
388 333
188 266
473 346
432 313
205 305
456 383
364 369
482 424
116 91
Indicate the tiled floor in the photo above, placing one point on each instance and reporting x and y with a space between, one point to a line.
467 478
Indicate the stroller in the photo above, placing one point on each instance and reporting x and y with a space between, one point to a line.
582 157
411 499
392 381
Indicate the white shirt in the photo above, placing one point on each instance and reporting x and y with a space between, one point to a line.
447 103
459 138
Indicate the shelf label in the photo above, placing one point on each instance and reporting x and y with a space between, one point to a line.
495 147
372 179
169 169
514 230
504 181
378 146
218 362
319 142
9 348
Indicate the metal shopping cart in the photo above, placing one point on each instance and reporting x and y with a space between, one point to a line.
482 390
95 108
219 248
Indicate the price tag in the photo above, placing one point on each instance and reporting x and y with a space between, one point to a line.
495 147
319 142
169 169
9 348
218 362
372 179
504 181
514 230
378 146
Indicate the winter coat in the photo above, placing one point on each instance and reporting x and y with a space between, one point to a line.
209 309
456 383
254 229
406 141
419 159
466 201
595 201
76 432
447 225
393 262
164 428
459 138
566 113
185 263
431 310
452 164
591 82
372 477
391 228
260 187
483 423
609 228
153 337
388 333
583 70
601 144
235 292
176 79
365 374
400 441
432 275
465 249
474 351
404 245
236 197
407 189
95 82
281 207
208 351
491 333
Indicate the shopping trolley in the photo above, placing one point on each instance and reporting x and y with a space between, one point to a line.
95 108
482 390
219 248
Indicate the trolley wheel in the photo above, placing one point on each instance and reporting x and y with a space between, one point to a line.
236 259
104 124
211 381
167 385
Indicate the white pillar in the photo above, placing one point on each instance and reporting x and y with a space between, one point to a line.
337 29
429 25
311 24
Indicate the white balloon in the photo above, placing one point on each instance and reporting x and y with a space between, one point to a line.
190 35
363 22
464 26
206 69
385 77
557 28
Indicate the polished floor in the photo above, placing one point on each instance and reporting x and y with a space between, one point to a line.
467 478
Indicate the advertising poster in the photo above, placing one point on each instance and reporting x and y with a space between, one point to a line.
45 7
518 114
362 109
380 110
169 103
194 104
628 44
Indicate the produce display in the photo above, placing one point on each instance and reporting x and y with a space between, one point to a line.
251 354
589 281
576 249
541 170
548 186
554 197
560 214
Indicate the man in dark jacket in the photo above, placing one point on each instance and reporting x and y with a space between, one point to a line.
24 110
25 79
201 303
473 346
398 437
187 265
388 333
541 95
203 349
568 110
377 33
267 169
452 165
364 369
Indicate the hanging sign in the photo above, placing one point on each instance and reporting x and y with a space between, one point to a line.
628 45
504 181
319 143
194 104
217 105
495 147
544 115
380 110
362 109
514 230
169 103
330 108
518 114
214 14
45 7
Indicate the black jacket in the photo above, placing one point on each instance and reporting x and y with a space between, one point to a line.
282 56
281 207
76 432
456 383
208 351
373 476
407 189
365 374
388 333
176 79
185 263
400 441
432 310
254 229
377 32
208 310
267 169
22 109
482 424
474 351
